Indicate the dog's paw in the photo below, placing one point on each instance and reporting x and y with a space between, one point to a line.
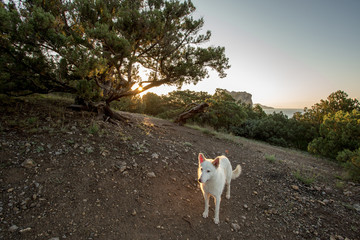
227 196
216 220
205 214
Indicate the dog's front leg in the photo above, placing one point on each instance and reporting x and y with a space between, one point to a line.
206 211
217 209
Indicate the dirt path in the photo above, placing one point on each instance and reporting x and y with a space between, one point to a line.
85 179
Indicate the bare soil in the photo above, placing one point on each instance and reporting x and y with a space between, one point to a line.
67 175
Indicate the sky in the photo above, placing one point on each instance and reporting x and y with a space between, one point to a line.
286 53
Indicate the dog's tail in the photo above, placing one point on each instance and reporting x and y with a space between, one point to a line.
236 173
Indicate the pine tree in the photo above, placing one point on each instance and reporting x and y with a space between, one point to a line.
99 49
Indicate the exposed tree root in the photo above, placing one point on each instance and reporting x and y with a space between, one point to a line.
103 110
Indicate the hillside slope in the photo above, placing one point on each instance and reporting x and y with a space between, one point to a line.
66 175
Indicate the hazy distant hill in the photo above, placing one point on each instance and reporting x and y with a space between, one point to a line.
263 106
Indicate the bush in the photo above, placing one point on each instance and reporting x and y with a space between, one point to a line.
351 160
277 129
222 115
131 104
153 104
338 132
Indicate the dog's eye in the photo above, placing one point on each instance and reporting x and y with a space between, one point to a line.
201 169
208 170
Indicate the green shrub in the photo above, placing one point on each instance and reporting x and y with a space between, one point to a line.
351 162
307 180
338 132
271 158
32 120
277 129
94 128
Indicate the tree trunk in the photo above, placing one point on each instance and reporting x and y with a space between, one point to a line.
181 119
109 114
103 110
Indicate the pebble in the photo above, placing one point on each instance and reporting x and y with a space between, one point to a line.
25 230
328 189
105 153
120 164
13 228
347 193
357 207
235 226
134 213
122 168
28 163
54 238
59 152
338 237
151 174
296 188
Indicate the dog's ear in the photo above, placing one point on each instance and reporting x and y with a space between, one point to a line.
201 158
216 162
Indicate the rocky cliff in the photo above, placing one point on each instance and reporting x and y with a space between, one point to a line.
243 97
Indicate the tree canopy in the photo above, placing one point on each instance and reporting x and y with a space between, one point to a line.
102 50
336 101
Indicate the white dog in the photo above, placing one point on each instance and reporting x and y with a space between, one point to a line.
213 174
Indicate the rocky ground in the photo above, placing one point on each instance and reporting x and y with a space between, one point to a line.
66 175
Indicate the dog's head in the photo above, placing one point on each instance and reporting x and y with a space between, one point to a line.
207 168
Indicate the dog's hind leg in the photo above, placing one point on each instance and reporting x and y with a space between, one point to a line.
217 209
228 181
228 189
206 211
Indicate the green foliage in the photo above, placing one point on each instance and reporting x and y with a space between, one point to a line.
338 132
98 49
27 65
339 184
223 113
94 128
170 114
307 180
32 120
153 104
337 120
254 113
351 160
87 90
270 158
277 129
181 101
337 101
131 104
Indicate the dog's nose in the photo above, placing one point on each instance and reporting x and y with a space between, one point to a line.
199 180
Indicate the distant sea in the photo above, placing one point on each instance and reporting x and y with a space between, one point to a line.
287 111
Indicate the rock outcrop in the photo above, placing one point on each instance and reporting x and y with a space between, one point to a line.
243 97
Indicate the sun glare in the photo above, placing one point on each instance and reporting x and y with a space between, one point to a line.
139 88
